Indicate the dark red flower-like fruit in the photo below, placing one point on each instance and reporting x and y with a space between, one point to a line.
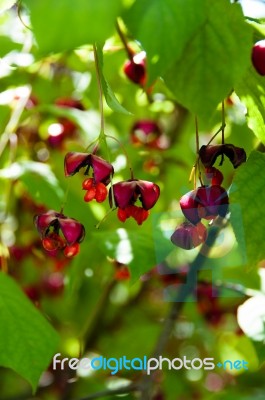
126 193
258 57
70 103
205 202
214 175
56 134
102 171
135 69
208 154
51 224
148 133
188 236
189 205
145 132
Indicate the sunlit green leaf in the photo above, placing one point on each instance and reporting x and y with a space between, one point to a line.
39 179
110 97
61 25
132 248
164 27
27 340
247 191
251 91
213 61
233 348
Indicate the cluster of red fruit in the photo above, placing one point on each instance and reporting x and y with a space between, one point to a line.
124 194
51 224
149 134
206 202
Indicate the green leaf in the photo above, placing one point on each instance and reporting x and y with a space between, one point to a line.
251 91
233 347
213 61
248 192
134 248
88 121
39 180
27 340
62 25
6 4
110 97
164 28
7 45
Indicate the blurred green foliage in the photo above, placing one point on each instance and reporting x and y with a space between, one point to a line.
197 52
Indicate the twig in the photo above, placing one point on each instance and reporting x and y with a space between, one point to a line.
145 385
91 329
102 135
100 90
223 122
124 41
125 153
185 290
214 136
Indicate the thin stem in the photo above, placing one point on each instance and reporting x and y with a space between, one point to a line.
145 385
192 173
102 135
19 8
92 143
195 176
124 41
223 122
196 166
125 153
214 136
105 217
223 130
197 135
185 290
101 107
65 197
190 285
92 326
